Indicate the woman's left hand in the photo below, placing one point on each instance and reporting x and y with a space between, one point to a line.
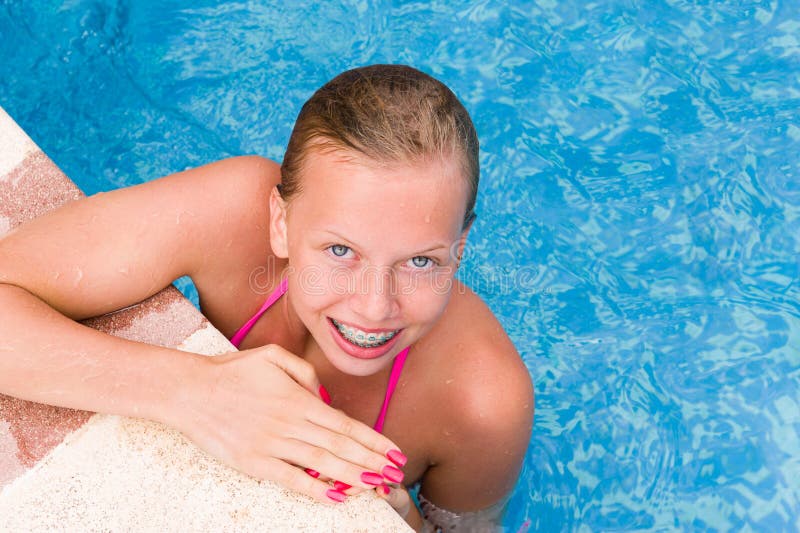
400 500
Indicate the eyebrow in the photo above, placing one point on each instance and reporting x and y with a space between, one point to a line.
347 241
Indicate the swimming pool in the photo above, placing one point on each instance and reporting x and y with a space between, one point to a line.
638 221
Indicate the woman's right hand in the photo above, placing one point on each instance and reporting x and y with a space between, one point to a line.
260 411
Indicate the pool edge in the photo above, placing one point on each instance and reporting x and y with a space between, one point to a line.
71 469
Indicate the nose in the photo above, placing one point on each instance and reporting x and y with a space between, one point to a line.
375 298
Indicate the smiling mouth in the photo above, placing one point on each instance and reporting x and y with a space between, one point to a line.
364 339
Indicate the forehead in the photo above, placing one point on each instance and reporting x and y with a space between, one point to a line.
410 203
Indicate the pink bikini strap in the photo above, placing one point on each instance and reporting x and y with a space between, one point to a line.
397 366
394 377
279 291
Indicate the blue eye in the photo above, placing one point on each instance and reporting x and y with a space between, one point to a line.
422 261
338 250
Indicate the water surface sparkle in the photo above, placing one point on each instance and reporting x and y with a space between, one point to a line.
640 158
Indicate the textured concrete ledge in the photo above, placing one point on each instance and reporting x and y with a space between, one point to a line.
62 469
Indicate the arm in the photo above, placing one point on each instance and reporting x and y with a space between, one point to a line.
48 358
90 257
475 469
252 409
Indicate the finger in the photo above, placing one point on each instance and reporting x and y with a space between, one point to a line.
347 489
298 369
359 437
397 496
351 458
317 475
294 478
345 474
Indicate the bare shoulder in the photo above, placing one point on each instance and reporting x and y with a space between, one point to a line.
119 247
229 199
236 240
481 358
483 395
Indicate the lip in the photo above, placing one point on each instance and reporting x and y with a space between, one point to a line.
366 330
357 351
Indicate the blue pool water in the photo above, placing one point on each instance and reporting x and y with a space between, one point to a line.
639 218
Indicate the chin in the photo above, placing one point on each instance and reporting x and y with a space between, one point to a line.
358 368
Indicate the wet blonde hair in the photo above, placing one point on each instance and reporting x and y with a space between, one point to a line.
390 114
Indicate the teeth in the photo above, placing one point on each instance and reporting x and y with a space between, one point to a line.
362 338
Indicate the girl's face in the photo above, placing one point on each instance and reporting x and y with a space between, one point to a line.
372 253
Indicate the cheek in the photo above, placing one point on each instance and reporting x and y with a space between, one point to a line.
437 283
425 300
320 286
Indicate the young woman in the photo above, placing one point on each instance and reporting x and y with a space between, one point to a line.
333 274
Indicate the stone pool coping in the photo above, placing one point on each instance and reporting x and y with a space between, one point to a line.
66 470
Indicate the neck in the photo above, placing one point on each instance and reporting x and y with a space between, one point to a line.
297 335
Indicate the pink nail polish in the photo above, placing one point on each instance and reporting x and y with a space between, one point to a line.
397 457
371 478
335 495
385 489
392 474
312 473
341 487
324 395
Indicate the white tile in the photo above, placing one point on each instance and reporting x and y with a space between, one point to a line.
124 474
15 145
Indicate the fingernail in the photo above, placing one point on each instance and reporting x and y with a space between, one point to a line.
324 395
371 478
338 485
312 473
397 457
392 474
335 495
385 489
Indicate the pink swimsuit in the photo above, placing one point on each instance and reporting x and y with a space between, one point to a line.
397 366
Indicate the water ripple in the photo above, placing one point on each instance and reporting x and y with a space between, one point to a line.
638 220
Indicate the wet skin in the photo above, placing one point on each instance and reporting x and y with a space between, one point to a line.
463 408
387 217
